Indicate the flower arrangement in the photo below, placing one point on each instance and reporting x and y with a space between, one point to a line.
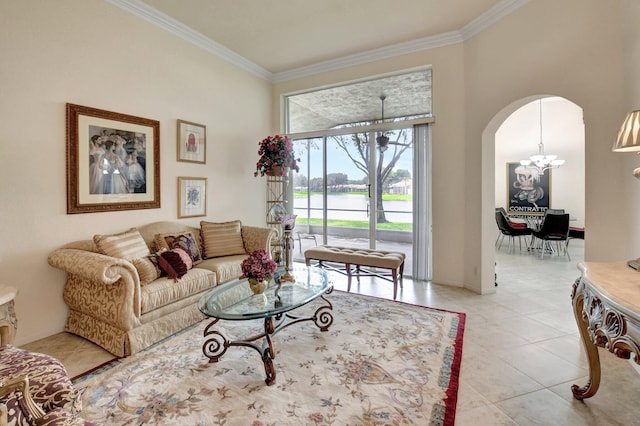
275 152
259 265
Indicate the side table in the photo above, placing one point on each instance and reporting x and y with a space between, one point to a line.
8 320
606 305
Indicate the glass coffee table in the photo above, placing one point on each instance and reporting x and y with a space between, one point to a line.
234 301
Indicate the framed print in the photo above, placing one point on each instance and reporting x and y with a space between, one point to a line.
192 142
528 191
113 161
192 197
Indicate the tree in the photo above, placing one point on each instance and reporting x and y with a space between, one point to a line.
299 180
398 175
315 185
356 146
336 179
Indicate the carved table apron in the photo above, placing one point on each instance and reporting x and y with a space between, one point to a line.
8 320
606 305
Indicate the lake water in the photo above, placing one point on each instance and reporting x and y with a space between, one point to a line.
351 207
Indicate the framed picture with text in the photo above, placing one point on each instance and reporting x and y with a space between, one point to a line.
113 161
528 190
192 197
192 142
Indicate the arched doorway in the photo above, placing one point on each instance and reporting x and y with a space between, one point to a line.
513 134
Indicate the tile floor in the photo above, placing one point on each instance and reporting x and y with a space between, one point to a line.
521 346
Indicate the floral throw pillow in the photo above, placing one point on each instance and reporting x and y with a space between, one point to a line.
185 240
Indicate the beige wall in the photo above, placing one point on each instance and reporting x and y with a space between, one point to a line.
631 102
91 53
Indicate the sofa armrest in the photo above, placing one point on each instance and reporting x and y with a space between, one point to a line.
100 285
257 238
21 385
92 266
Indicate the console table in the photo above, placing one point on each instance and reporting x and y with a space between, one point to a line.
606 305
8 320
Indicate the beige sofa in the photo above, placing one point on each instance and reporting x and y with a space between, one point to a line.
110 305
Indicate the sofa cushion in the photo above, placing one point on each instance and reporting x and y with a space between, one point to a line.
125 245
148 268
165 291
184 240
175 262
226 268
222 239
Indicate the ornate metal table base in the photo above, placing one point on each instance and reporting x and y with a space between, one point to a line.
602 322
216 344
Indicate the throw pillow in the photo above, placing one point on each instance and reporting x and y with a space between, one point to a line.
175 263
125 245
148 268
184 240
222 239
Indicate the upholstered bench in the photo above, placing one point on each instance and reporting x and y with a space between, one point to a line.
360 262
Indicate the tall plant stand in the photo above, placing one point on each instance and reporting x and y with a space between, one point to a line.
276 204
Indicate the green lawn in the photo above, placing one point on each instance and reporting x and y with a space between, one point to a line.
395 226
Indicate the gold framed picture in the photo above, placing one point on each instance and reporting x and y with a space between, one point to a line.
192 142
192 197
113 161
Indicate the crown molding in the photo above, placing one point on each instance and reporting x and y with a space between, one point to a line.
154 16
452 37
482 22
490 17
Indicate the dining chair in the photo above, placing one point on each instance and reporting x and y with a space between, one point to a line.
507 229
554 228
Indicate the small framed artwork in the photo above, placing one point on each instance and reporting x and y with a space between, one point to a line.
528 190
192 197
192 142
113 161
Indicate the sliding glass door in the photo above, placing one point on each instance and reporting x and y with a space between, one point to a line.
355 189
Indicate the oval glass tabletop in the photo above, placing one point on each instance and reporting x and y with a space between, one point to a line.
235 300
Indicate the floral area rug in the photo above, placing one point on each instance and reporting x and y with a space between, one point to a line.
380 363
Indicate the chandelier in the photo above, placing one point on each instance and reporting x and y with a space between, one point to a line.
541 161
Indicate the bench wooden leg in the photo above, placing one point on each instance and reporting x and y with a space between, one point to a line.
397 277
348 268
394 272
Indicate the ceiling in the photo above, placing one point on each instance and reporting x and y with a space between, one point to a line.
282 35
285 39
